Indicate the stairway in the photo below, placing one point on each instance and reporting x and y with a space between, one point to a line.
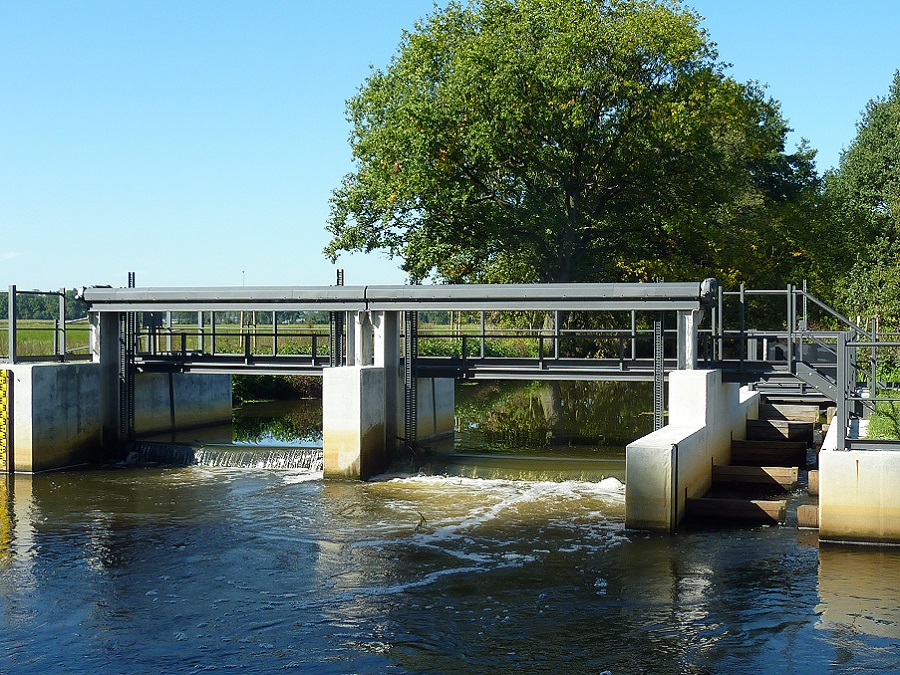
763 467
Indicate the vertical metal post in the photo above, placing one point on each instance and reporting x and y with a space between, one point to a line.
841 414
556 335
790 328
873 360
62 324
721 317
169 332
410 380
11 325
633 336
482 334
743 326
201 337
212 333
658 373
274 335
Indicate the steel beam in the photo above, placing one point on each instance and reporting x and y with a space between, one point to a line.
488 297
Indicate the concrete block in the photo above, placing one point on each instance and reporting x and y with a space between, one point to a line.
859 496
353 420
56 415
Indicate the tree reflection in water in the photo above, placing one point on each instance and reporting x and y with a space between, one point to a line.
580 416
289 422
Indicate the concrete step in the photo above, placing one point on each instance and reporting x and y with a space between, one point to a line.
768 453
791 413
740 510
781 477
779 430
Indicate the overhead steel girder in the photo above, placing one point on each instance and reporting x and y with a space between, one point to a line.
227 299
684 296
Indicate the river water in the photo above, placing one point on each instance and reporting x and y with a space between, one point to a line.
462 568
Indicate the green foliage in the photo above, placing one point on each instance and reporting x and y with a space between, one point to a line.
863 200
274 387
568 140
885 421
872 288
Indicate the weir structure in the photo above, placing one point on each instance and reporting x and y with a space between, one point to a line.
378 393
383 394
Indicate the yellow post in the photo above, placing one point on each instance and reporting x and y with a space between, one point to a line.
5 422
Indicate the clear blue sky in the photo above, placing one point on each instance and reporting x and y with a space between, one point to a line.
197 143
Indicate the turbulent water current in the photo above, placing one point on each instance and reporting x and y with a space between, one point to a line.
213 568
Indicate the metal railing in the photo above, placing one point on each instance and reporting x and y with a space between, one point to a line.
39 340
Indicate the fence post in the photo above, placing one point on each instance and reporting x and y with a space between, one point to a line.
11 329
62 324
790 328
843 392
743 326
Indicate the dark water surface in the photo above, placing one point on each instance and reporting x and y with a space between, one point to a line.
181 570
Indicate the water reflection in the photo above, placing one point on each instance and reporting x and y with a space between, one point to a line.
575 419
859 590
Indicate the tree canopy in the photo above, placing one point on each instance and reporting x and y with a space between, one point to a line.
863 194
568 140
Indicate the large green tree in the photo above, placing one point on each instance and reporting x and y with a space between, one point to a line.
863 193
567 140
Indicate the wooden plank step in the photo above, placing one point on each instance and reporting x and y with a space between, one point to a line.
779 430
768 453
765 476
813 483
808 516
743 510
793 413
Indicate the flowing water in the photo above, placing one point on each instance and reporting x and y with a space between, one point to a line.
245 569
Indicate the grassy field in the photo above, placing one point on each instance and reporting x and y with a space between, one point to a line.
35 338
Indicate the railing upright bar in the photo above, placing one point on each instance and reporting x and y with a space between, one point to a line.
482 334
743 327
789 295
11 326
633 335
843 393
721 317
62 324
556 335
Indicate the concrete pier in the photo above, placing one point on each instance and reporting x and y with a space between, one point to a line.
363 407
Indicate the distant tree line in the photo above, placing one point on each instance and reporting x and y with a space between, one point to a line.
32 306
